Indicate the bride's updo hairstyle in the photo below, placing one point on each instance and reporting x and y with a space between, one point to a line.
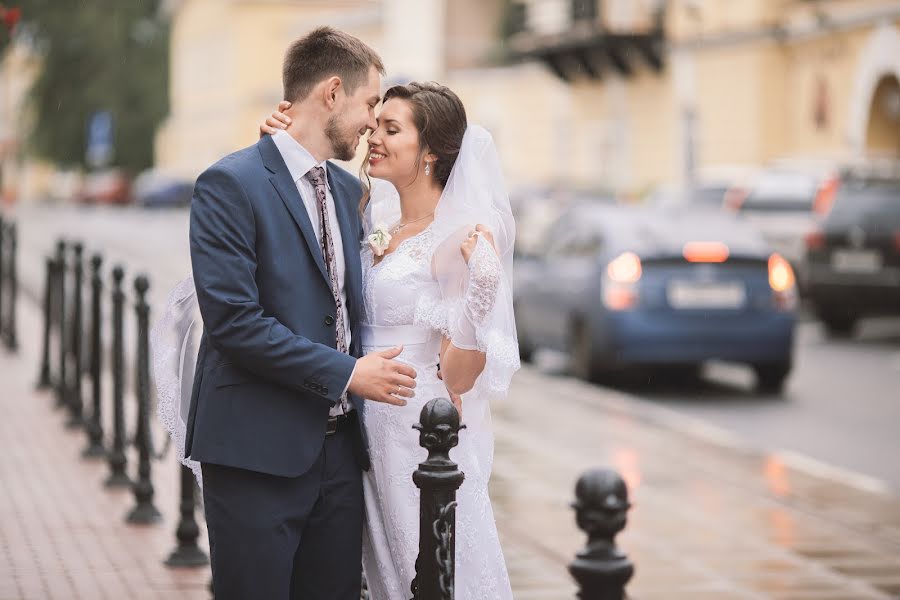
440 119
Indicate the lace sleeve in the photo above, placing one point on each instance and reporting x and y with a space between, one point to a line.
472 306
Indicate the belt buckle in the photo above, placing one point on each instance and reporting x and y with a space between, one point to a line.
331 425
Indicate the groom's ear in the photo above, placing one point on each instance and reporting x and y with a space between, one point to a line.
331 89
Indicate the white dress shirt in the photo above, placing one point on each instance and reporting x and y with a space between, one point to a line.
299 162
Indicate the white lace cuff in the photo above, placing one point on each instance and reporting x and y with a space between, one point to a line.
481 295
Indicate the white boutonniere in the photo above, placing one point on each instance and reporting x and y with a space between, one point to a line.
379 239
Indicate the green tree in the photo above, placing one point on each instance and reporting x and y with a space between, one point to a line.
95 55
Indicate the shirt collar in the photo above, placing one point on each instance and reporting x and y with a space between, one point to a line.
297 158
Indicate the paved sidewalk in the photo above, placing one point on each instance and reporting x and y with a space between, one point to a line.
62 534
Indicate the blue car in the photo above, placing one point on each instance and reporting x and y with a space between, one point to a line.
617 287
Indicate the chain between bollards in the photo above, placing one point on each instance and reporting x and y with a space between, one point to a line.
437 478
144 511
118 476
95 447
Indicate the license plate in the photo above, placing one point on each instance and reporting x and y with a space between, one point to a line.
856 261
693 294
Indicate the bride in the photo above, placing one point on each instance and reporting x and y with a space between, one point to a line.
437 267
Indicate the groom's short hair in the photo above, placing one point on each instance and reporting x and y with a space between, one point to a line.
325 52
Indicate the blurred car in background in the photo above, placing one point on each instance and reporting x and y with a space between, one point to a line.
709 189
854 255
536 208
621 286
155 189
111 186
781 201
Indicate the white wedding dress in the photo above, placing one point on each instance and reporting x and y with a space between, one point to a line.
403 306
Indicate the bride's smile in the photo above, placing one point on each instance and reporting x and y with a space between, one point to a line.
395 152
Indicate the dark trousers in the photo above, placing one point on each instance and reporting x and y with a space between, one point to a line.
286 538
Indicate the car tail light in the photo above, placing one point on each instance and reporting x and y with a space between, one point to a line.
619 296
622 274
782 282
625 268
825 195
814 240
705 252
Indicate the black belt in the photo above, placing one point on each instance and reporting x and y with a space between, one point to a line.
337 423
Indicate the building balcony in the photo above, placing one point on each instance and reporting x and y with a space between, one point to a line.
585 38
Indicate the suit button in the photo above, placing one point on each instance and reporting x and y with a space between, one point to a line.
329 320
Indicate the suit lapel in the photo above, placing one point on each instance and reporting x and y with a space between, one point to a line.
287 190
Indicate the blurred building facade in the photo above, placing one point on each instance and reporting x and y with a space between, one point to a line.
617 94
226 73
18 68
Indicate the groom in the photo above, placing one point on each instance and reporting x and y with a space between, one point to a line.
274 416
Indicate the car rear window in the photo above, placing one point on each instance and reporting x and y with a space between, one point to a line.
782 192
857 197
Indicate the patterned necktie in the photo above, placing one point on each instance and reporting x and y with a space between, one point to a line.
317 176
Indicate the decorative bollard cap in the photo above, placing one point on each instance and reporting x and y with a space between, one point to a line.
601 505
141 284
118 273
96 260
601 502
78 247
438 428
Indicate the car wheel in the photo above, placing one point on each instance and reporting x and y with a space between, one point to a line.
770 377
582 360
839 326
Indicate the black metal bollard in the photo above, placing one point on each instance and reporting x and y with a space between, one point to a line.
62 382
12 281
144 511
95 447
44 378
118 477
76 402
187 553
601 506
437 478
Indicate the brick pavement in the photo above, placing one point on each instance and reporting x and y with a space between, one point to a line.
62 534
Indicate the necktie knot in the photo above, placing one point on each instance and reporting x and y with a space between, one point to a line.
316 175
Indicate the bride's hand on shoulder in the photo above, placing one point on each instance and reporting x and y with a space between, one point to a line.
277 120
468 246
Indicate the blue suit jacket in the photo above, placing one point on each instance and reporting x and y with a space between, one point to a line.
267 369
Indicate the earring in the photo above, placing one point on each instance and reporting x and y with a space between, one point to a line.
427 168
